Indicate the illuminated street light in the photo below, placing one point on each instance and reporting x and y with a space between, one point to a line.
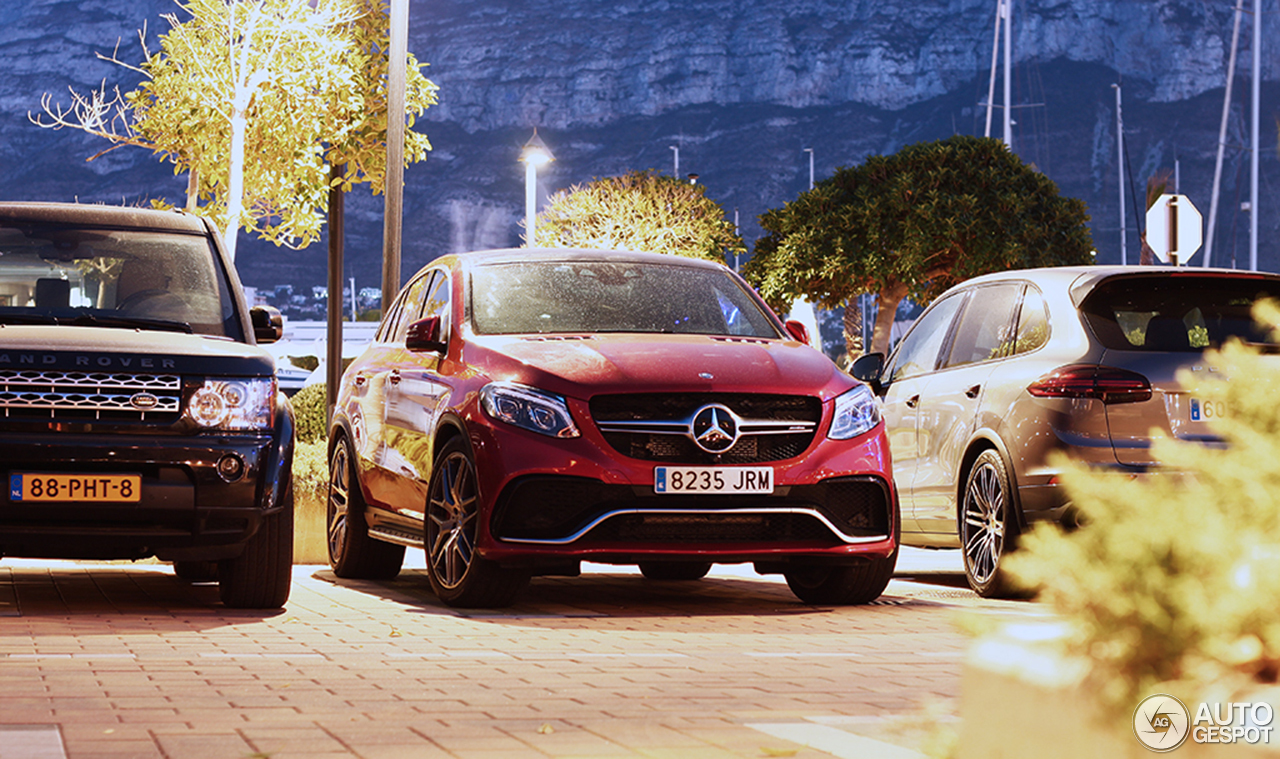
535 153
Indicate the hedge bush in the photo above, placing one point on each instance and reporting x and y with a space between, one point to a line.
1173 580
309 414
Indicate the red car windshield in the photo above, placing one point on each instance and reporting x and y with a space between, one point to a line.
607 296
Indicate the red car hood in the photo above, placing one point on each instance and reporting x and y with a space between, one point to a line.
582 366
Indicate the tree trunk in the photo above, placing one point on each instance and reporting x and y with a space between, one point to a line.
853 327
887 301
235 184
193 191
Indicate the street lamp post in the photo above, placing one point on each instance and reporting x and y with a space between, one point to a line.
810 152
535 153
675 160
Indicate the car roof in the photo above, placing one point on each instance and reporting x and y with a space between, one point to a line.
89 214
1081 280
527 255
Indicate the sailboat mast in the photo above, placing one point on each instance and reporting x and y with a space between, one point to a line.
1222 140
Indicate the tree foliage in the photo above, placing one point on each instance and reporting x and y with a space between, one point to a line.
913 224
296 86
641 210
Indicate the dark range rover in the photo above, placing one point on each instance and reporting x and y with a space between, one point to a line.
138 417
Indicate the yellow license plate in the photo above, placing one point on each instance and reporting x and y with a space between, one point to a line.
84 488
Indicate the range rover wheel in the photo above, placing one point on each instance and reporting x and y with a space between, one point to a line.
826 585
460 576
988 531
196 571
675 570
352 553
260 578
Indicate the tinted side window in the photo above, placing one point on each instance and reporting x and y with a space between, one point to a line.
412 306
1033 323
918 352
986 328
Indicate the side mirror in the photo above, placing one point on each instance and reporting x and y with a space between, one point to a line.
798 331
424 336
268 324
868 369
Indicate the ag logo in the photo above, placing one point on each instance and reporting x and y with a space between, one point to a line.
1160 722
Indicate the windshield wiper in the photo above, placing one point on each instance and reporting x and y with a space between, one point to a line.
127 322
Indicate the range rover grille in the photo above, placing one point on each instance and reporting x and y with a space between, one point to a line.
89 396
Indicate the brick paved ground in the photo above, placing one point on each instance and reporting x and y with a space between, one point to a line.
112 661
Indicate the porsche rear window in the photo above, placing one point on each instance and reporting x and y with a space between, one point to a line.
1177 314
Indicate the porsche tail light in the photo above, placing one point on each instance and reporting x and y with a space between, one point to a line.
1107 384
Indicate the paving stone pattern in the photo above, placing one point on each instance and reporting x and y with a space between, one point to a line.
129 661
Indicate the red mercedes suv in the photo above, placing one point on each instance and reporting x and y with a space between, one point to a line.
520 411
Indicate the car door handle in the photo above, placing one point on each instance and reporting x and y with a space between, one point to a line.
973 391
913 401
394 377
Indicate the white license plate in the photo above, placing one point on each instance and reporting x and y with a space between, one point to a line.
713 479
1206 410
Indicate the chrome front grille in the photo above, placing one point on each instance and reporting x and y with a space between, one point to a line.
661 427
89 396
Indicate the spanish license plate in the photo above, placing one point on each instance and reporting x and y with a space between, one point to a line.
1204 409
713 479
85 488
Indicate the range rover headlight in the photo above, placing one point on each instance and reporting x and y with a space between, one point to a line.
528 408
857 411
246 404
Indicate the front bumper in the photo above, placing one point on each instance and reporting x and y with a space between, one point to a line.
544 499
187 510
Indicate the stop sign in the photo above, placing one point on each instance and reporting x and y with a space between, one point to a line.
1174 228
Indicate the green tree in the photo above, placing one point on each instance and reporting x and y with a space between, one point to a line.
913 224
642 211
297 86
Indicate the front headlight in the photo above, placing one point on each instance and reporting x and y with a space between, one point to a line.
528 408
857 411
243 404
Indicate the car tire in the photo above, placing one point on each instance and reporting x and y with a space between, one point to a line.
353 554
459 576
826 585
988 527
261 576
674 570
196 571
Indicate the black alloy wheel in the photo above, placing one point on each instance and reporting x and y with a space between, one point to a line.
353 553
458 574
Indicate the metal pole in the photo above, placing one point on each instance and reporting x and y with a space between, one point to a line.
1253 136
353 299
530 202
675 161
1008 67
1124 253
1222 141
392 216
995 58
333 346
810 152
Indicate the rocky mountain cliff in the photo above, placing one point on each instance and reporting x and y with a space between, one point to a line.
742 88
